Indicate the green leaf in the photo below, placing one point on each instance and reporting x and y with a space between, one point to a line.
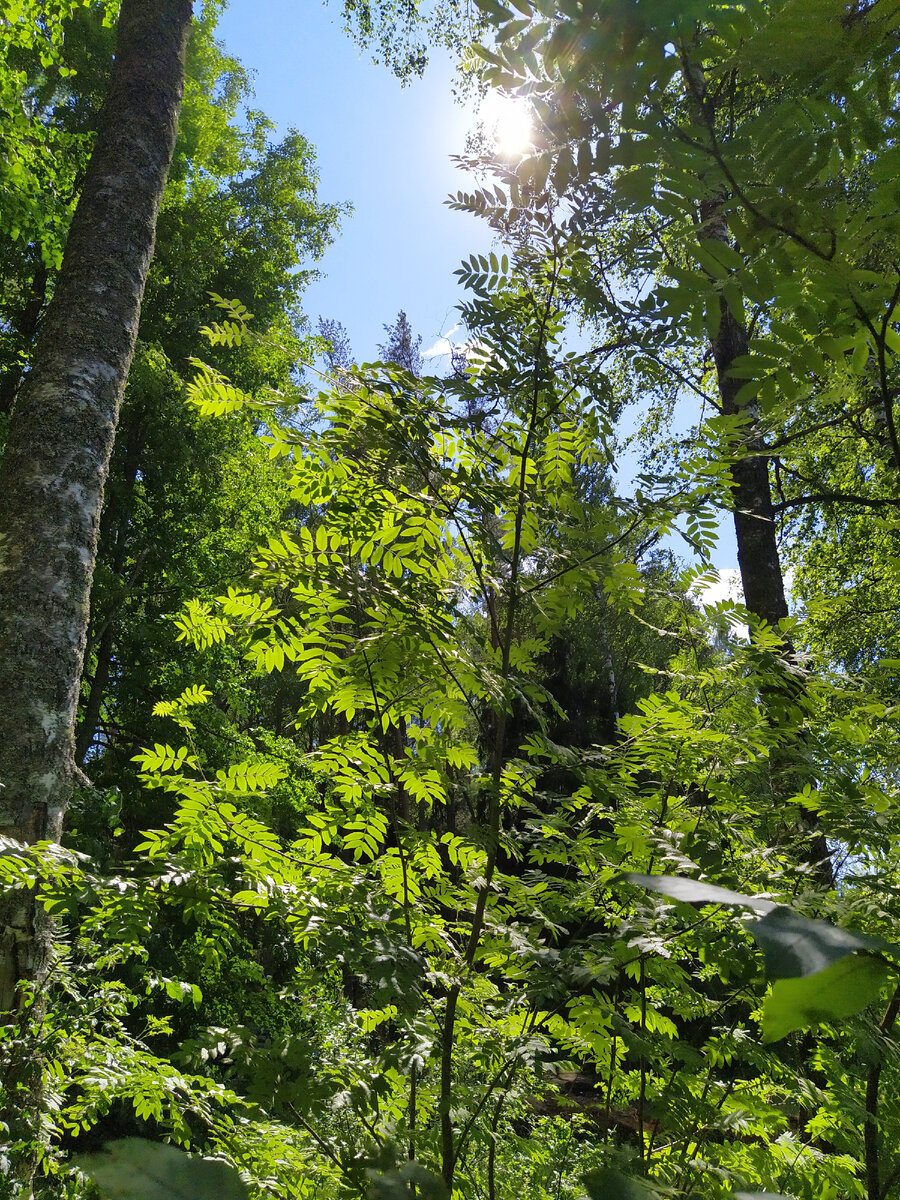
844 988
759 1196
693 891
411 1180
135 1169
793 945
609 1184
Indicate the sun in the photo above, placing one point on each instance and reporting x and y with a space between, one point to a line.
508 118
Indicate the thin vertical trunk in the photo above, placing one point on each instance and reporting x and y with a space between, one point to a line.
52 479
871 1140
754 515
609 666
759 559
114 528
90 717
26 326
764 595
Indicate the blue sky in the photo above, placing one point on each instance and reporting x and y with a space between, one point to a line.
384 148
387 150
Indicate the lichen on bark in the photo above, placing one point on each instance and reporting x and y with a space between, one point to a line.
51 485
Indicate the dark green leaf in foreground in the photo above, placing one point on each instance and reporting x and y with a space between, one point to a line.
844 988
135 1169
693 891
411 1180
793 945
610 1184
759 1196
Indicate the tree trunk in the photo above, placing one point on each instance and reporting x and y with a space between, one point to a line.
90 717
52 479
759 560
754 515
26 326
763 584
114 528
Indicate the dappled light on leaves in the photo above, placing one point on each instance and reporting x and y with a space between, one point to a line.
443 827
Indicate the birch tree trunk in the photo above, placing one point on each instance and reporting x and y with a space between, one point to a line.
51 487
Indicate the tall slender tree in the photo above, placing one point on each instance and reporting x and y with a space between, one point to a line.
53 473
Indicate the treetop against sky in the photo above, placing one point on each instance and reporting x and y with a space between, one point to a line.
384 148
381 818
388 150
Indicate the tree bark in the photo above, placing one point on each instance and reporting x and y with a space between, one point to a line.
90 717
114 527
26 325
52 479
754 514
759 559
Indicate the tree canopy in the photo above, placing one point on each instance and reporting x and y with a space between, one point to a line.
435 827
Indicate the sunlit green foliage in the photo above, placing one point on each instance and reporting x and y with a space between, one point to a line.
433 846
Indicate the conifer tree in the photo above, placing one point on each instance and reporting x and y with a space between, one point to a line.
402 346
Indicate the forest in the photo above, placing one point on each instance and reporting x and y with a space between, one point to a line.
391 804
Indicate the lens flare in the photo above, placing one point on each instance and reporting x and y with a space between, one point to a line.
508 119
